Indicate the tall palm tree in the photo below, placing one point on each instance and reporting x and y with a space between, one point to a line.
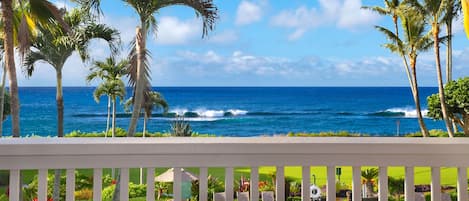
110 73
453 7
434 11
38 10
415 40
55 47
147 9
154 99
393 8
113 88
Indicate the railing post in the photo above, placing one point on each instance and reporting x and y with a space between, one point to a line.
280 184
436 186
229 183
383 184
409 184
305 183
203 184
124 188
14 185
177 184
331 191
254 185
356 183
97 183
150 184
70 189
462 184
42 185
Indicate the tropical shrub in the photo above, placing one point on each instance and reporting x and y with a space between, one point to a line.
84 194
180 128
214 186
457 100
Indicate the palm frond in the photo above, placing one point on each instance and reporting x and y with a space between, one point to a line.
47 12
204 8
30 60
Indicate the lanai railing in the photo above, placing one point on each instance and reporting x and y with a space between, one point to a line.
43 154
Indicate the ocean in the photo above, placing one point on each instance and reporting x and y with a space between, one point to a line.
238 111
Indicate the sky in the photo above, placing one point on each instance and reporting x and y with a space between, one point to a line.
262 43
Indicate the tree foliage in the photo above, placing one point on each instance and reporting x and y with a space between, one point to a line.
457 99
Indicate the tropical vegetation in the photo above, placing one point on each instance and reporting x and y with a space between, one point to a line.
457 100
150 102
111 73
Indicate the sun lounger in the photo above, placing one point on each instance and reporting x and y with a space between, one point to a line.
219 196
243 196
267 196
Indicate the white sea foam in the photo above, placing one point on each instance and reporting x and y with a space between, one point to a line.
236 112
408 111
209 113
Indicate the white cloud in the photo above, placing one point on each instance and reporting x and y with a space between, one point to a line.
346 14
172 31
248 13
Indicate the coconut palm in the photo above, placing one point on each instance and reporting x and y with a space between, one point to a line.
16 27
453 7
415 40
107 71
146 9
393 8
434 11
154 99
55 47
113 88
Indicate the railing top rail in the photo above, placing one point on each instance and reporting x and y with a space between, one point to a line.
229 151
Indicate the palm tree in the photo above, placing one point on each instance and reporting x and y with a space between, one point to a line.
154 99
452 11
113 88
110 73
415 41
146 9
434 11
368 175
55 46
20 25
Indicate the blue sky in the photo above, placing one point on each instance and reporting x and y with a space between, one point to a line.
264 43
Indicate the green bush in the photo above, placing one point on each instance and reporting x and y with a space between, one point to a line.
135 191
108 192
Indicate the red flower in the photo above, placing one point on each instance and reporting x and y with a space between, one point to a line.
113 182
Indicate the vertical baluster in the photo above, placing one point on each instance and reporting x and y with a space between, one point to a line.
331 183
229 183
356 183
150 184
462 184
177 184
203 184
97 183
14 185
42 185
280 183
305 183
436 186
409 184
383 184
70 194
124 190
254 183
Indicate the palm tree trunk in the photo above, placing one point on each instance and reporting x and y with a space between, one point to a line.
113 116
60 129
108 115
441 93
145 119
415 93
7 12
2 99
140 48
449 51
406 64
465 127
60 105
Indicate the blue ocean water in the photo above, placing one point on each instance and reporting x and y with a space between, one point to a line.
238 111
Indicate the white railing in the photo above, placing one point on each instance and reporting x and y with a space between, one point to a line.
98 153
